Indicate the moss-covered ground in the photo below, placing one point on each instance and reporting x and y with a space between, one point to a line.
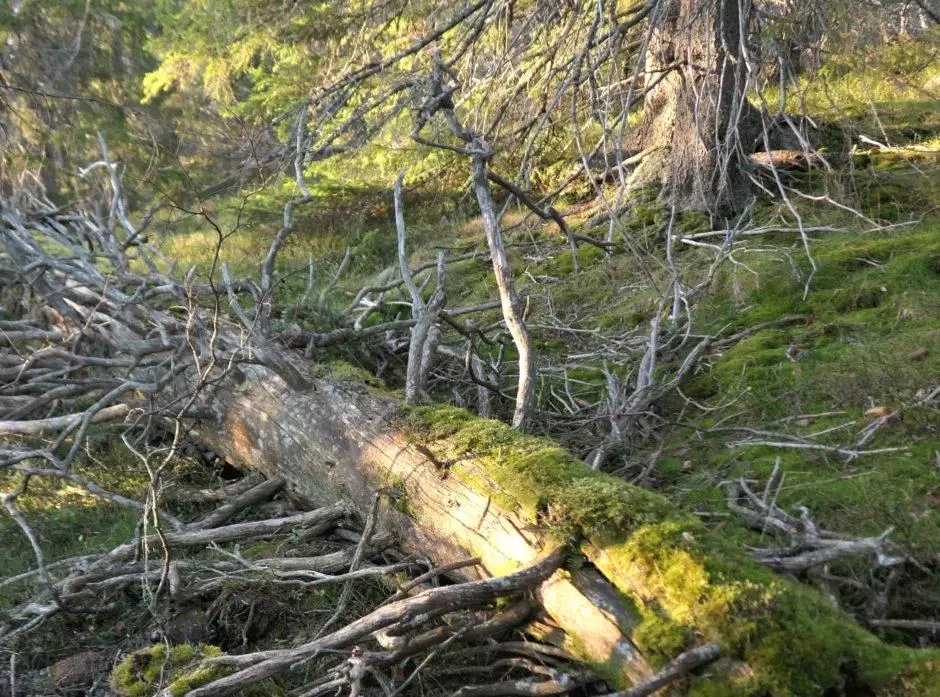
846 357
859 344
686 583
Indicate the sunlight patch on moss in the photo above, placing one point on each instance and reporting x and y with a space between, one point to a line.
175 668
688 582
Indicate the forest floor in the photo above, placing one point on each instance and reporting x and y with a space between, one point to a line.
846 357
830 377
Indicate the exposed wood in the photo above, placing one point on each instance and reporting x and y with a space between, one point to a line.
329 443
60 423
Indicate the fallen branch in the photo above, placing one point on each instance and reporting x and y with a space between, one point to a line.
681 665
932 626
62 423
404 613
810 545
259 492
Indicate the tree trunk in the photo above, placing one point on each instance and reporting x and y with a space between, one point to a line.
698 126
341 442
652 580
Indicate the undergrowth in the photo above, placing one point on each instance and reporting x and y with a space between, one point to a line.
856 341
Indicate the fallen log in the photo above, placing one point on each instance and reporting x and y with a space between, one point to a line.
643 582
464 486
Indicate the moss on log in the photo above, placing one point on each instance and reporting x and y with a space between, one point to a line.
474 487
688 584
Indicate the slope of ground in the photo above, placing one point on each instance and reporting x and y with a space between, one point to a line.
823 382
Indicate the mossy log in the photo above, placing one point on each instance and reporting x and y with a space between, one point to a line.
650 580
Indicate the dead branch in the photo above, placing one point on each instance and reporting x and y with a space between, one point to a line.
354 564
62 423
681 665
253 668
202 495
425 333
810 545
439 100
260 492
931 626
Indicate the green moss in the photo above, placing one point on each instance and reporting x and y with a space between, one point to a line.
344 371
710 586
400 500
724 679
647 214
148 670
873 303
912 673
563 263
691 222
174 671
659 636
549 345
688 582
532 476
610 320
792 639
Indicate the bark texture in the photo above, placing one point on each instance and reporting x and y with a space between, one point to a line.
657 581
698 126
335 441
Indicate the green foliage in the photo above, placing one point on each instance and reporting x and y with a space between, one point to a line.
74 66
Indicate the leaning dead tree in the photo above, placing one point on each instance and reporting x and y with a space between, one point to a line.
440 99
96 335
